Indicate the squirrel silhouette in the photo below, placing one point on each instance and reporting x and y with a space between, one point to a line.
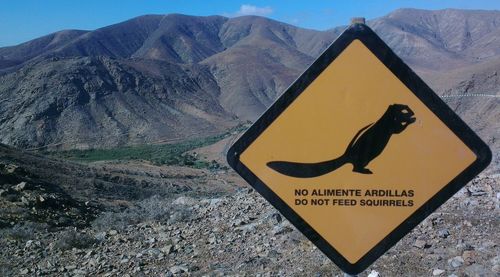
368 143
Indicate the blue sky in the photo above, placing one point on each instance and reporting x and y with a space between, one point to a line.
22 20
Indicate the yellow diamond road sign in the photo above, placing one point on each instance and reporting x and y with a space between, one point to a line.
358 151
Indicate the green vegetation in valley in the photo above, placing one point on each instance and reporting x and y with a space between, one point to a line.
159 154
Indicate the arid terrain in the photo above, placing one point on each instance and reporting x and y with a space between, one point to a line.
113 142
208 223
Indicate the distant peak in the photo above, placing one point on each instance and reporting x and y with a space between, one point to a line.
184 16
439 11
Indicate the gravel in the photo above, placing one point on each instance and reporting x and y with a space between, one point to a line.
241 234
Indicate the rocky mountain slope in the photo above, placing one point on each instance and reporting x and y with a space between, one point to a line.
63 193
161 77
87 102
444 39
187 75
241 234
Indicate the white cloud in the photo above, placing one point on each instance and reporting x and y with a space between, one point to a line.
247 9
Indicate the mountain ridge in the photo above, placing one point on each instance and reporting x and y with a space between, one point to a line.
153 23
171 76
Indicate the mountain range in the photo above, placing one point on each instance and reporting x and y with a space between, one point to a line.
158 78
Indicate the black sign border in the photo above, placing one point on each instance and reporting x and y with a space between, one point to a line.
419 88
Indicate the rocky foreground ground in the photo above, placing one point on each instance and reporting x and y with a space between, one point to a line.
241 234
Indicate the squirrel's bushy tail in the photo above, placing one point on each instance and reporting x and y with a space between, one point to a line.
310 170
306 170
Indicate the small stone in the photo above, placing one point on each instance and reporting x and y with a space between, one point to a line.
24 271
90 253
70 267
478 193
238 222
124 261
194 268
167 249
215 202
495 260
212 240
420 244
469 257
19 187
100 236
248 228
25 201
487 244
3 192
79 272
277 217
281 229
476 270
443 233
496 268
11 168
113 233
374 273
153 252
178 269
184 200
455 262
28 244
437 272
